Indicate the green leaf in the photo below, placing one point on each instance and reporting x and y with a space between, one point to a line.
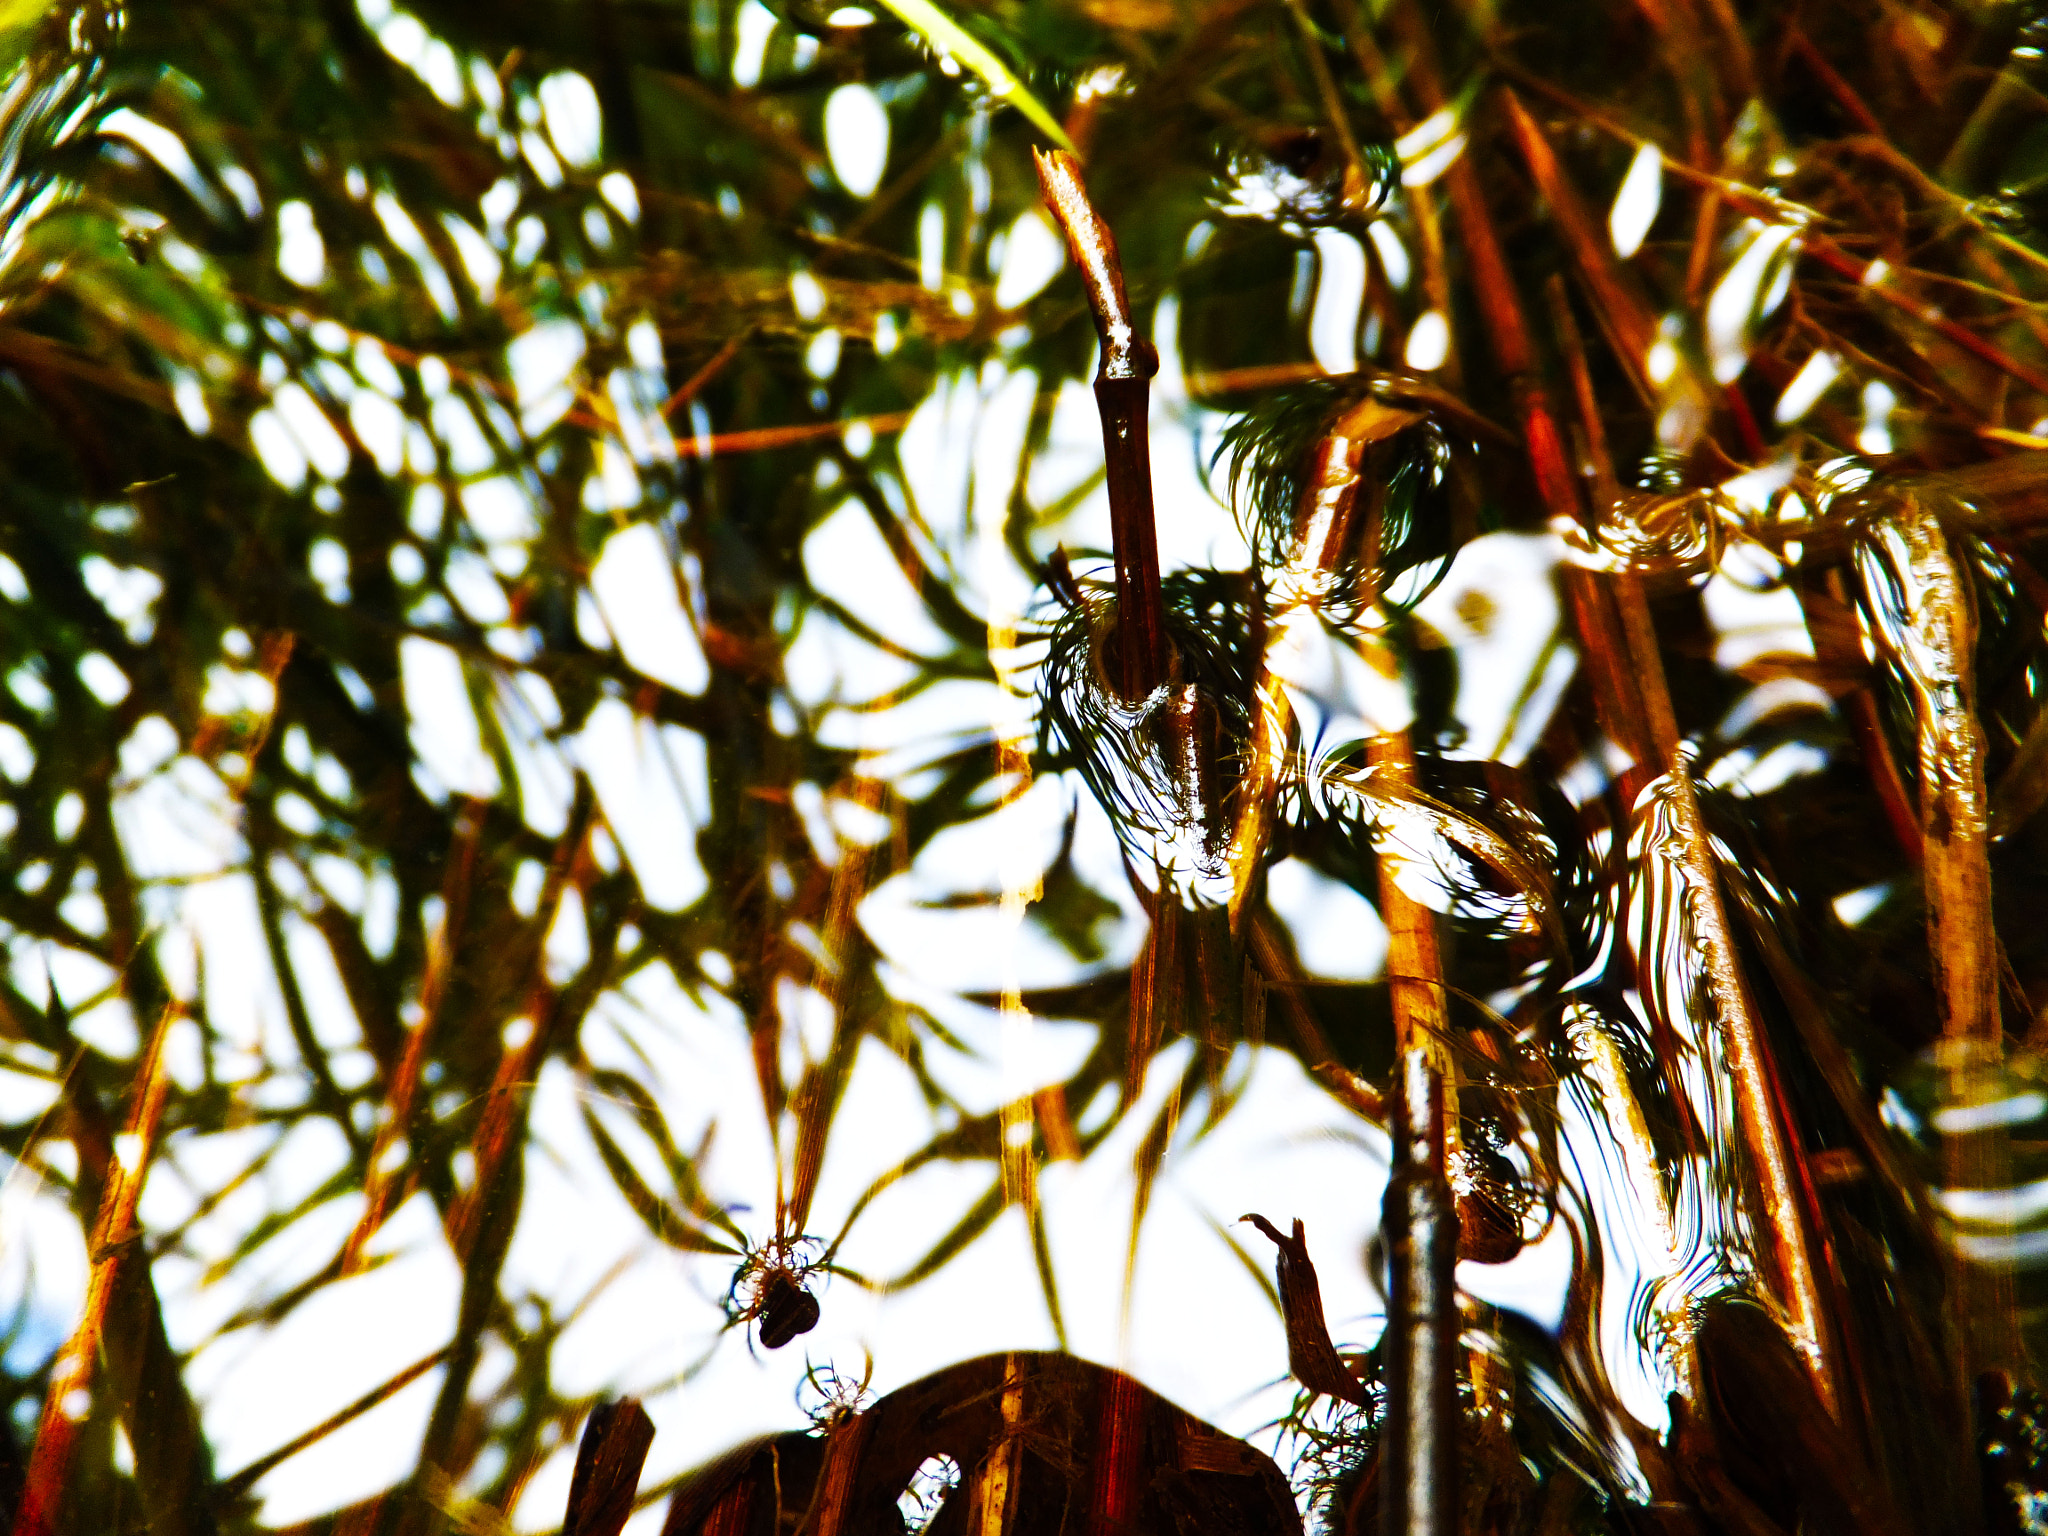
950 39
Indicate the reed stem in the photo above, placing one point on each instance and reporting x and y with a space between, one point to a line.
1143 657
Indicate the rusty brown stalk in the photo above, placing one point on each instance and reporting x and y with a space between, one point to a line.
1420 1471
1862 273
1934 647
1786 1185
114 1242
1123 395
1120 1455
831 1512
1633 700
1617 303
1788 1220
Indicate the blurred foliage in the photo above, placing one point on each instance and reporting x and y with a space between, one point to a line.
274 454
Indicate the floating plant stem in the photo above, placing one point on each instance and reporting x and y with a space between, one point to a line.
1785 1224
1634 702
1920 602
1419 1462
1420 1458
1123 392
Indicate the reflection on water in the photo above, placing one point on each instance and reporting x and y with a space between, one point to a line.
586 664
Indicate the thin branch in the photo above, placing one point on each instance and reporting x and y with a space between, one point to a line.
232 1488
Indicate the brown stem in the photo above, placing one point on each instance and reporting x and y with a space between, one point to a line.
1628 676
1123 396
1912 574
114 1242
1619 307
1840 262
1777 1161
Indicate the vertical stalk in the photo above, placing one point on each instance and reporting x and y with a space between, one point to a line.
1789 1218
1123 393
1419 1464
732 1515
1420 1459
995 1490
1921 602
1139 659
1635 705
1786 1188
